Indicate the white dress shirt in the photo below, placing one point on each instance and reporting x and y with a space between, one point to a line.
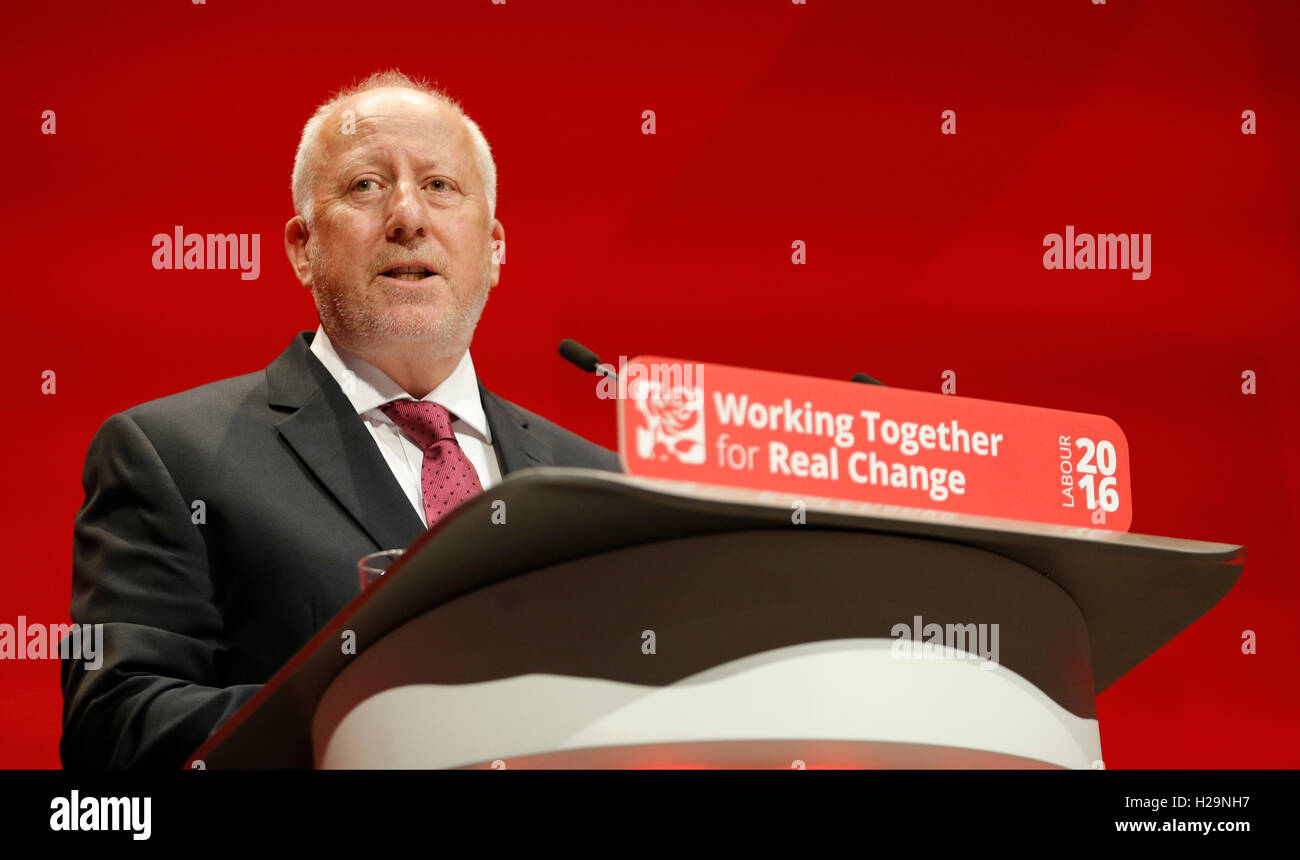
368 388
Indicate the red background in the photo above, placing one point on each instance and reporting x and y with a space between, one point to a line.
776 122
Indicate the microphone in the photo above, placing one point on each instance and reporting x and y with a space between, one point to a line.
584 358
587 360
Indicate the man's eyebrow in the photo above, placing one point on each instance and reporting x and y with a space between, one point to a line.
366 159
357 161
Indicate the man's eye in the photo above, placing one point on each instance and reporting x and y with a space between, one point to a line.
361 182
442 184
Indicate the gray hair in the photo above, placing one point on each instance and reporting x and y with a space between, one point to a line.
304 161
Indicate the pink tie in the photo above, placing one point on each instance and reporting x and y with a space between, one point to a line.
447 477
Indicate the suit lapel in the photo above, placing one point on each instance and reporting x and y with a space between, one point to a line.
332 440
518 445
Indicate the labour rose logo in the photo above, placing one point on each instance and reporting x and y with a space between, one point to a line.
672 422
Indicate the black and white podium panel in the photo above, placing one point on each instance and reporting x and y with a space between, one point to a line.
613 621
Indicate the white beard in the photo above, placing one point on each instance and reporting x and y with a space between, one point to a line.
446 337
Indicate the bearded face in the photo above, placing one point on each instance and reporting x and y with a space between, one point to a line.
399 245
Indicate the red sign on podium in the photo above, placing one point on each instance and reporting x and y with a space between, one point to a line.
728 426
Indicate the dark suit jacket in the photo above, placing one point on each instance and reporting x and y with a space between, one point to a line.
197 615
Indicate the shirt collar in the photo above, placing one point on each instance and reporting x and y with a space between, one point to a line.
368 387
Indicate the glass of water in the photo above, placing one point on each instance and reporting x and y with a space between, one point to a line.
376 564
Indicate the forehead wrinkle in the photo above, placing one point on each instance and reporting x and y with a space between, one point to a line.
376 155
370 126
369 120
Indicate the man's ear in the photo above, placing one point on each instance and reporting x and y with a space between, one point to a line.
296 235
498 250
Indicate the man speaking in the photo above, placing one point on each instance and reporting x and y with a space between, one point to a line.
221 526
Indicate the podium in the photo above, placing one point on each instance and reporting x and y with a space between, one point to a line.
569 618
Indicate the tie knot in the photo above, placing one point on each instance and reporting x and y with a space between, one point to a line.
425 422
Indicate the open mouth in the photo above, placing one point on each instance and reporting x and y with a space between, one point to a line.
408 273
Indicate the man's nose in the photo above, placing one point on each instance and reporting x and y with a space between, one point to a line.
408 215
